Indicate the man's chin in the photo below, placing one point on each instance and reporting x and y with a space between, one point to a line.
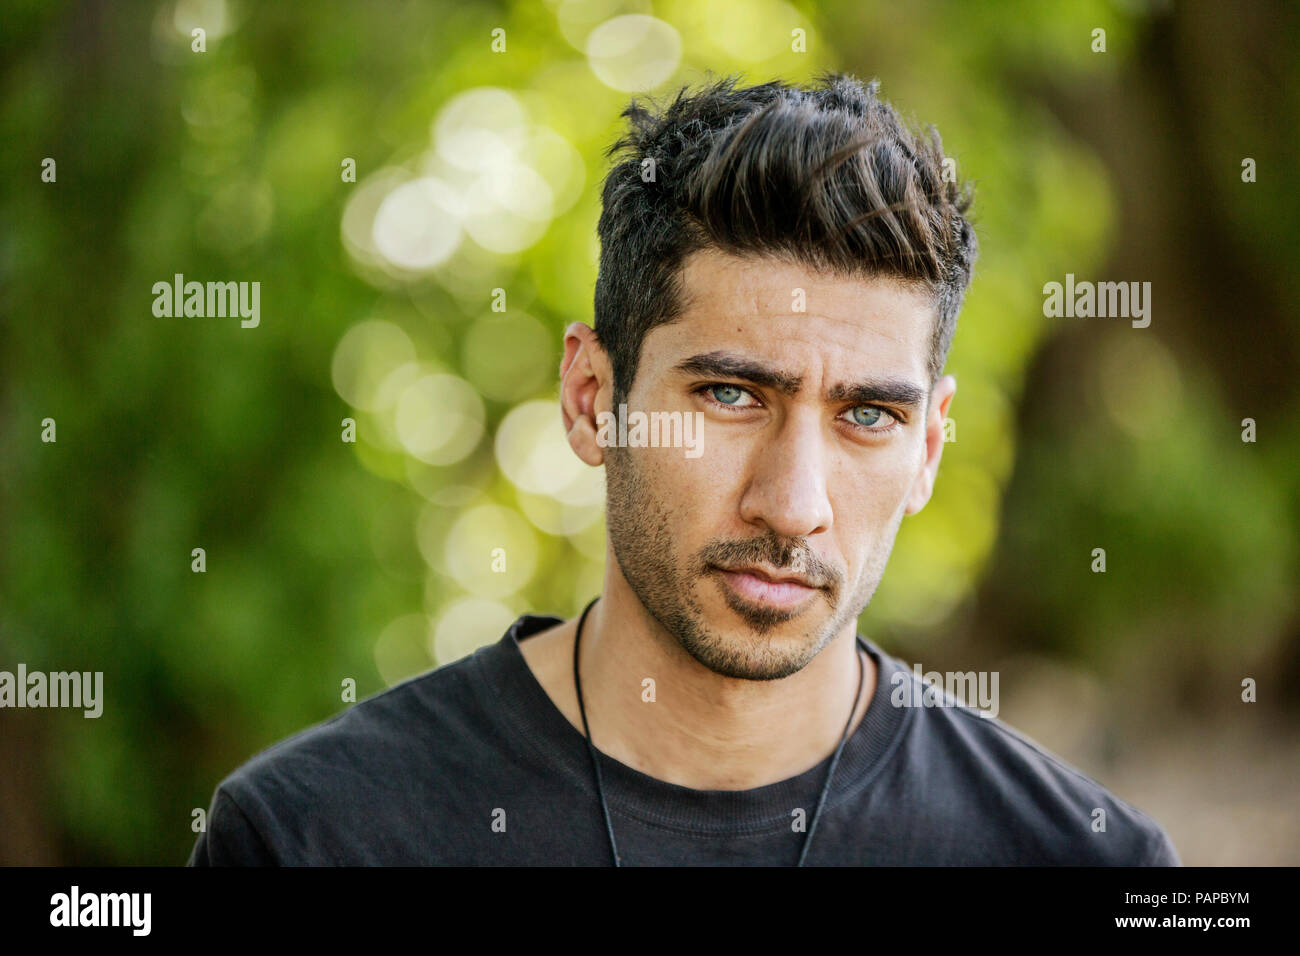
754 624
742 663
756 643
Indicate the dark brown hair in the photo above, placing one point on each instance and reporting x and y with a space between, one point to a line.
826 175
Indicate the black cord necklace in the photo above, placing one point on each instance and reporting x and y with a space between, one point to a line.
595 763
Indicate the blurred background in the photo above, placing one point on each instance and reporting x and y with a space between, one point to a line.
424 297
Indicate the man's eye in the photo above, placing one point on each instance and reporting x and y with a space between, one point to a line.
726 394
868 416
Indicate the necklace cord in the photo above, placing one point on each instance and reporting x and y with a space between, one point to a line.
586 731
595 762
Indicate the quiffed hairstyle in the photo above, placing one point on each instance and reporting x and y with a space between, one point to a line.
824 175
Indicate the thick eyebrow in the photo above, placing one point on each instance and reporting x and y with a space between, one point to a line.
731 365
888 391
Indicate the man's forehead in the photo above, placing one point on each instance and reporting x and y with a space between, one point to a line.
771 284
801 320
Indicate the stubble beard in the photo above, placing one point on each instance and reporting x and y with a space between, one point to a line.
640 535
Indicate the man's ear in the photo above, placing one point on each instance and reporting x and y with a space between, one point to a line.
585 377
923 485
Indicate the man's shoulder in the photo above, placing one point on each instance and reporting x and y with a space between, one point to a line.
370 784
372 752
1007 782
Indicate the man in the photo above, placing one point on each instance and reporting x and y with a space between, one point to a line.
788 263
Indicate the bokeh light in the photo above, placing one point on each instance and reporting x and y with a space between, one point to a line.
533 452
634 52
467 624
439 419
365 356
491 551
418 224
212 16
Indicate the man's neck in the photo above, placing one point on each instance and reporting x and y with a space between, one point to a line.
693 727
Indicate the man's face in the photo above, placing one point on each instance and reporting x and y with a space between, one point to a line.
815 428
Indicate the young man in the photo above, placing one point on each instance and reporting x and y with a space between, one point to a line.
784 265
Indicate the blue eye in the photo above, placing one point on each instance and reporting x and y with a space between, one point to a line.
866 415
714 390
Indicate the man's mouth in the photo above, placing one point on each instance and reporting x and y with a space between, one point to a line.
760 585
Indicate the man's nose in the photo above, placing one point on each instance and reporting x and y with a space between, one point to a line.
787 491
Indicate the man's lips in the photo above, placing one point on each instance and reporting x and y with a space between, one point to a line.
761 586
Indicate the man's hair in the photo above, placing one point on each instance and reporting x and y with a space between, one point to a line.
825 175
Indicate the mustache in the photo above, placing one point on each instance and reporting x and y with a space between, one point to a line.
782 555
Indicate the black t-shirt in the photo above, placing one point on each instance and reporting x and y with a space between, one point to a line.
472 763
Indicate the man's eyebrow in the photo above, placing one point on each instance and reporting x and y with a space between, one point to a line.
732 365
888 391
